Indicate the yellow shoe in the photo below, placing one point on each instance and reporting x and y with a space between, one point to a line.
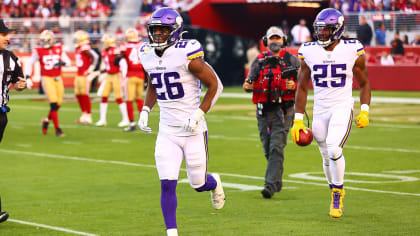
336 207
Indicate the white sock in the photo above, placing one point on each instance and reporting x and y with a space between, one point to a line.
325 161
172 232
102 109
123 110
337 169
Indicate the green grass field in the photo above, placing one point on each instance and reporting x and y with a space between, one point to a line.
102 181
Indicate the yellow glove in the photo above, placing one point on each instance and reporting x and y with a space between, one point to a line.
297 125
362 120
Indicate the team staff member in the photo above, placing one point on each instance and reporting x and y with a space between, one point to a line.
11 72
274 102
133 74
86 60
51 57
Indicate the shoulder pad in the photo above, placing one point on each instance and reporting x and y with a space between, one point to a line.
193 49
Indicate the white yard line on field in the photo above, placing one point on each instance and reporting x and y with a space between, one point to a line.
152 166
242 187
51 227
311 98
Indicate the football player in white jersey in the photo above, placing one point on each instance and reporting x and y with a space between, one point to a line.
175 69
330 63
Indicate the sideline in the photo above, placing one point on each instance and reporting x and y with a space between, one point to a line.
182 169
50 227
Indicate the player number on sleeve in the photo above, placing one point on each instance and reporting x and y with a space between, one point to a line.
338 75
166 85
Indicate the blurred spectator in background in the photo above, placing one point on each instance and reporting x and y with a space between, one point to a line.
301 33
364 32
386 59
397 47
251 54
286 30
380 35
95 34
156 4
57 7
405 39
64 20
336 4
146 7
416 41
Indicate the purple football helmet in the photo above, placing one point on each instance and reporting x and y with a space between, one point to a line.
165 17
328 26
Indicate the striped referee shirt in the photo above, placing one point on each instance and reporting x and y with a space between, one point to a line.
10 70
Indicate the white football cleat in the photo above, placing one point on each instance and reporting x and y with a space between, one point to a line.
101 123
217 195
124 123
88 119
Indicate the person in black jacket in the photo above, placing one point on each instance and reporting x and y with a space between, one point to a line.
11 72
364 32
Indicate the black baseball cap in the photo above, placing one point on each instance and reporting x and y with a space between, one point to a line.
4 28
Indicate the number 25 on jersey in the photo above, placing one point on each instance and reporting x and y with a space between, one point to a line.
338 75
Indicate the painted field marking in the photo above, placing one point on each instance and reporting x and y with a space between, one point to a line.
402 171
51 227
242 187
398 178
225 174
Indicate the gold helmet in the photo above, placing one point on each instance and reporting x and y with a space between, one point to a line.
80 37
47 38
132 35
108 41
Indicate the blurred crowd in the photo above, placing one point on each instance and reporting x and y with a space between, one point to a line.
347 6
56 8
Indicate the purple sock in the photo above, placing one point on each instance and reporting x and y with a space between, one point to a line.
337 186
209 185
168 202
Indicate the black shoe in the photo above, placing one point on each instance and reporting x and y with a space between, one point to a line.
3 216
45 123
130 128
266 193
59 132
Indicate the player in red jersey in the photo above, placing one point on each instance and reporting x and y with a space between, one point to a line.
113 82
51 57
133 74
86 60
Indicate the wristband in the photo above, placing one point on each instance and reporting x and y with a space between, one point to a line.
364 107
298 116
146 108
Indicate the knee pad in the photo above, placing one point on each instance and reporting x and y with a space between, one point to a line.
53 106
335 153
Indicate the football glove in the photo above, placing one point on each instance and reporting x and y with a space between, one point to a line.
191 123
29 82
297 125
362 120
144 118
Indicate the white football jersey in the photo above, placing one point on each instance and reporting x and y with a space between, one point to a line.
178 90
331 72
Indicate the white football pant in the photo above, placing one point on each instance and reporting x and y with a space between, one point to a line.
170 150
331 130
